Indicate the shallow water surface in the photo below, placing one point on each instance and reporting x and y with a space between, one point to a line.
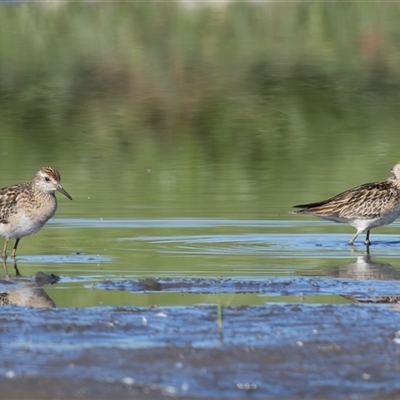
123 250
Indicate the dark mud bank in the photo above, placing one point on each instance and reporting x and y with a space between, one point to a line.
274 351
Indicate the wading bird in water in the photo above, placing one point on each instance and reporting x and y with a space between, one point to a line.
365 207
26 207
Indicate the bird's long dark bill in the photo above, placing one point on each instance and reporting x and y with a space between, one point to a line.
64 192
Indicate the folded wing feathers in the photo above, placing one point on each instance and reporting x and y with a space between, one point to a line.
365 201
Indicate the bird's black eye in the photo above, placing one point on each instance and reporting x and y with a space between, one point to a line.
47 179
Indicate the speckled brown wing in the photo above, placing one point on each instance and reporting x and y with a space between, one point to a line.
370 200
9 201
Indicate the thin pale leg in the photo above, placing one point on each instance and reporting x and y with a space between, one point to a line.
4 253
354 238
367 242
14 251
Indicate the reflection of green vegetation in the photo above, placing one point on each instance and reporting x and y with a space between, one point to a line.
134 70
86 297
162 104
321 299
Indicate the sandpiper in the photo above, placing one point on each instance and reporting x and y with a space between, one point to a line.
364 207
26 207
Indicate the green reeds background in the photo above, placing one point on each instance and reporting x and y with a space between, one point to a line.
167 101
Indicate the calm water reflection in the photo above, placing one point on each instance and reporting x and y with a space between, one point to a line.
86 252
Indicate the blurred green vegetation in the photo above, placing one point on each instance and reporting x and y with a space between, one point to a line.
276 103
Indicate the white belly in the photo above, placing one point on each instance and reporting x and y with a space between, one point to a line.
20 225
367 224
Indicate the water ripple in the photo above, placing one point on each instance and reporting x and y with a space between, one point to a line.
258 244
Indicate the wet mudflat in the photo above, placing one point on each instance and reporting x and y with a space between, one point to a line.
372 290
326 351
276 351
